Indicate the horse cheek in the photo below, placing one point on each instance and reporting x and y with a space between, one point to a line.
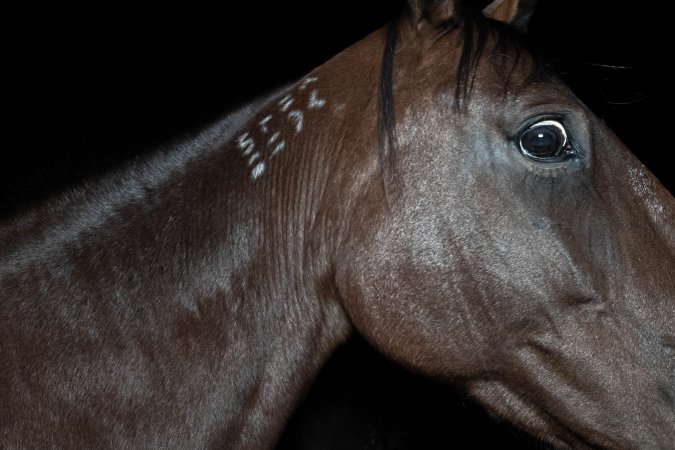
412 311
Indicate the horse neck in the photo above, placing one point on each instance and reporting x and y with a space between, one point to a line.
233 259
298 164
189 250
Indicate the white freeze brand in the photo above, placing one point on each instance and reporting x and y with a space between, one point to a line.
270 137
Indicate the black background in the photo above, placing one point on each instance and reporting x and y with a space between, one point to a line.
90 87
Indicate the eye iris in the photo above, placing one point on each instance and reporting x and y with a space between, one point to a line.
544 140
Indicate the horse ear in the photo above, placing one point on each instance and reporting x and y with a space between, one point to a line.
433 11
516 13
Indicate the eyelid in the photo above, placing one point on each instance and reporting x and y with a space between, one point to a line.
534 120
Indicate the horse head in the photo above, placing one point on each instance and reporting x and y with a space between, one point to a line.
507 241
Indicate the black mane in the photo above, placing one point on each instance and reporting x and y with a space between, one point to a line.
475 29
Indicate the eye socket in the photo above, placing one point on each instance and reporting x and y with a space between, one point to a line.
545 141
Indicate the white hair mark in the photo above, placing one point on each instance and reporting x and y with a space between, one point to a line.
314 101
298 118
258 170
286 103
246 143
279 147
308 80
263 124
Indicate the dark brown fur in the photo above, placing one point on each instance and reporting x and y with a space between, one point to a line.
181 304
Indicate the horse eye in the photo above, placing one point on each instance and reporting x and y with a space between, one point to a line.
545 141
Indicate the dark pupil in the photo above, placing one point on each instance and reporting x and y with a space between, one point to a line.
544 141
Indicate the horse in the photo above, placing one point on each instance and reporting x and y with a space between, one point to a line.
433 187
